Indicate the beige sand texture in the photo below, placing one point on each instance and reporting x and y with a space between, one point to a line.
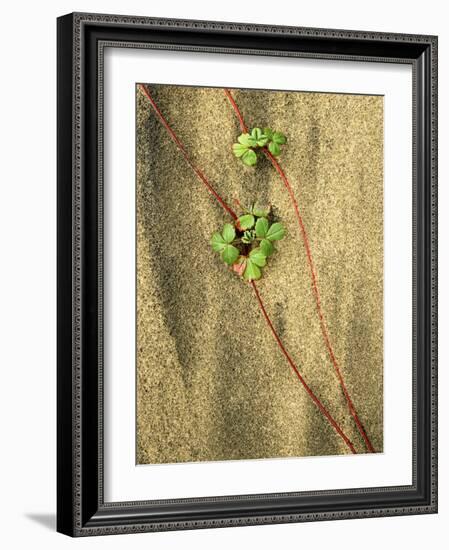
212 384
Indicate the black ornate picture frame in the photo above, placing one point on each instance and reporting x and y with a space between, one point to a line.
81 508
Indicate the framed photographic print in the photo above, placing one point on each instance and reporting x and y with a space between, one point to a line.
247 283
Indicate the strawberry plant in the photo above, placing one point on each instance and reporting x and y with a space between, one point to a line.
246 244
248 143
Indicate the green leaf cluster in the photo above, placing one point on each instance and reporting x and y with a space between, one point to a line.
222 243
250 230
257 138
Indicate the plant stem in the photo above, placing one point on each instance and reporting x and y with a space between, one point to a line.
228 209
240 240
239 205
316 293
183 150
312 395
319 308
243 126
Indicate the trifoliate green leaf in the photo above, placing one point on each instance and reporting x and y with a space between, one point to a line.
274 148
262 226
266 247
246 221
239 150
252 272
230 254
276 232
279 138
259 137
258 257
228 233
217 242
249 158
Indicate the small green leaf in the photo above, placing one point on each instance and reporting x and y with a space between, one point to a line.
249 236
274 148
217 242
258 257
268 133
260 211
246 221
252 272
246 140
279 138
256 133
228 233
249 158
239 150
262 226
276 232
230 254
266 247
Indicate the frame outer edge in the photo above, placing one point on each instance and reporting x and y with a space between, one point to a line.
69 371
232 26
65 270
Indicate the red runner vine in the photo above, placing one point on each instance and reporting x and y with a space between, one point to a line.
310 262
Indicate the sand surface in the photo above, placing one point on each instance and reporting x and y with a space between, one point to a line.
212 383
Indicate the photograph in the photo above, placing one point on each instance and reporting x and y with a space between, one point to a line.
259 254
